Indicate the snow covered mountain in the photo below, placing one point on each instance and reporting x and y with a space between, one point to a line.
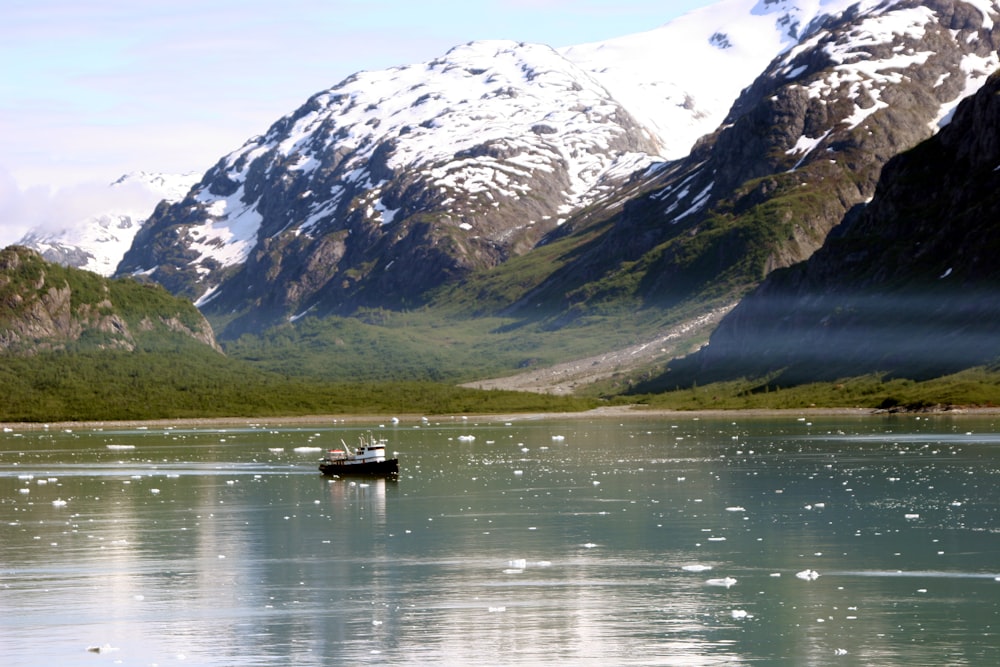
800 148
98 242
392 183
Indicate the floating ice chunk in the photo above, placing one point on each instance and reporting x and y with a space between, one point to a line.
736 509
496 610
275 450
911 516
696 568
120 447
513 570
725 582
24 491
154 491
589 545
518 472
305 450
840 651
739 614
558 438
519 563
466 438
716 539
59 502
808 575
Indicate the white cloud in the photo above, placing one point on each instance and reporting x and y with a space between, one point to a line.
43 209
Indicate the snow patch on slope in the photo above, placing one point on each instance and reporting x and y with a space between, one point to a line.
680 79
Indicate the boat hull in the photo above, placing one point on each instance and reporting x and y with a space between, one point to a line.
369 468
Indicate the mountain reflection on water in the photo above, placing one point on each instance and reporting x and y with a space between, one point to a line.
645 541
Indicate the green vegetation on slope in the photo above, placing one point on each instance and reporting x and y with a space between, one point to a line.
192 381
428 345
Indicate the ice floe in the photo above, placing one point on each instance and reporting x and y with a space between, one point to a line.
696 567
724 582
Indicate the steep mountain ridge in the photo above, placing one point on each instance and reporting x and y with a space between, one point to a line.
801 146
909 286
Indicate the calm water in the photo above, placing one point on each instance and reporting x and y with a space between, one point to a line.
645 542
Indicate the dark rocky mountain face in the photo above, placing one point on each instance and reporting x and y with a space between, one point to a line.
45 307
800 148
909 285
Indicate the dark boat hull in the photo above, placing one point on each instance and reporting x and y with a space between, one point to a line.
373 468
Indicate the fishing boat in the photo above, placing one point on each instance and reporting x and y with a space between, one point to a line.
367 459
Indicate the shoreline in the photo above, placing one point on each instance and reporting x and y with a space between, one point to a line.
609 412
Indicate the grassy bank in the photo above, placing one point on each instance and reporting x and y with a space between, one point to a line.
978 387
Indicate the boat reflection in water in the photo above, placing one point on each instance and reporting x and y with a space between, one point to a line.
367 459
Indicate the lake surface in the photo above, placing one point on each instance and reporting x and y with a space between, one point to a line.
740 541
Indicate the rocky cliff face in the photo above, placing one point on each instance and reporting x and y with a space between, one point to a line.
909 285
45 307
